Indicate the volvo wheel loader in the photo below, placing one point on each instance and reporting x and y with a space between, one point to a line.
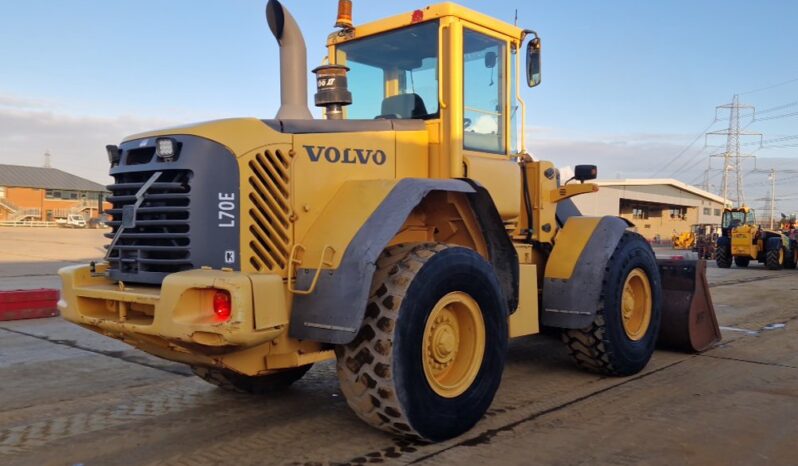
402 236
743 240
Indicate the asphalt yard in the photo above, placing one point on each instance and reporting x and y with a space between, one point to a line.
69 396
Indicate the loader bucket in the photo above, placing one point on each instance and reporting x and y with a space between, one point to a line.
688 317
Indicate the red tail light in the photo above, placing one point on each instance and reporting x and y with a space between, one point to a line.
222 305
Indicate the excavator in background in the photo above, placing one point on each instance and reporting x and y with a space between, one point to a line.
743 240
404 236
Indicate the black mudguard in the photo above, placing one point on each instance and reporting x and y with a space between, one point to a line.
573 303
333 313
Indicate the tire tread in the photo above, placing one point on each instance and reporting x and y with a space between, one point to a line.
364 365
588 347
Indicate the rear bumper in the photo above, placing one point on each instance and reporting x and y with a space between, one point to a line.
179 313
744 250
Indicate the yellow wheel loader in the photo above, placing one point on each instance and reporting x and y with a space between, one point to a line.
743 240
403 235
684 240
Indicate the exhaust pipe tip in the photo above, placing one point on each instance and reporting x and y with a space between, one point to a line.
275 17
293 63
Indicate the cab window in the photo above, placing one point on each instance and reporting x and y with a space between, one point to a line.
393 75
483 93
735 219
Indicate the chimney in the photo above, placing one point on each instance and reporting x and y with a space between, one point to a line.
293 63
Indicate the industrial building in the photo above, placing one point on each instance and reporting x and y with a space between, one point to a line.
47 194
657 207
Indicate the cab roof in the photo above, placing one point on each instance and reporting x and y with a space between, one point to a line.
427 13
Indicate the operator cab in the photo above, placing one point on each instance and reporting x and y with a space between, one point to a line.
453 68
733 218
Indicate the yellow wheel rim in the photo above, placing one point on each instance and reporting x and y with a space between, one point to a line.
781 256
454 344
636 304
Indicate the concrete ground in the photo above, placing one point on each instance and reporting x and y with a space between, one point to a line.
69 396
29 257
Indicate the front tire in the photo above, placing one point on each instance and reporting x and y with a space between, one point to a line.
774 256
622 337
429 356
253 384
791 260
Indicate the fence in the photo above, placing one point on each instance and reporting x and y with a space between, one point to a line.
28 223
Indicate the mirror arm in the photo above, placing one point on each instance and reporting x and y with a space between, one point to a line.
526 32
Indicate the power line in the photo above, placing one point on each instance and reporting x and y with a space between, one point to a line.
775 117
767 88
769 110
684 167
687 148
766 141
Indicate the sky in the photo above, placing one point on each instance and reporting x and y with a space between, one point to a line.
627 85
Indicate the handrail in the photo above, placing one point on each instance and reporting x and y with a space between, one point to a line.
441 102
484 112
293 261
518 96
10 206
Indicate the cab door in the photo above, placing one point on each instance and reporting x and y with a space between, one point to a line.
486 121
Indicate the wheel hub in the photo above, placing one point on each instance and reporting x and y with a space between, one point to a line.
628 303
636 304
454 344
444 339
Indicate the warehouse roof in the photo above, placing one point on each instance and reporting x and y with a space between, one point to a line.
19 176
662 181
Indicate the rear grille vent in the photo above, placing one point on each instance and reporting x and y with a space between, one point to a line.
270 213
140 156
159 243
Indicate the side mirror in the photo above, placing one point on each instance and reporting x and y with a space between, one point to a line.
584 173
533 62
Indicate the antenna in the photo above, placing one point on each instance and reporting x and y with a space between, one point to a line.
516 18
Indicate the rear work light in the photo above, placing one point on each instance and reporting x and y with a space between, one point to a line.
222 305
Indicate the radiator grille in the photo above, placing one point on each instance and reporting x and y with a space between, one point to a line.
270 211
159 244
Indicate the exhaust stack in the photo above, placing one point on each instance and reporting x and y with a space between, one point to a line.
293 63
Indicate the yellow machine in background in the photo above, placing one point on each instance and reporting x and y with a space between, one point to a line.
403 236
684 240
743 240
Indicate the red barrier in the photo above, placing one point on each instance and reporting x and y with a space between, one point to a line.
28 304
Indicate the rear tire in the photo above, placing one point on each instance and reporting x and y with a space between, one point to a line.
774 256
394 374
615 344
741 261
254 384
723 257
